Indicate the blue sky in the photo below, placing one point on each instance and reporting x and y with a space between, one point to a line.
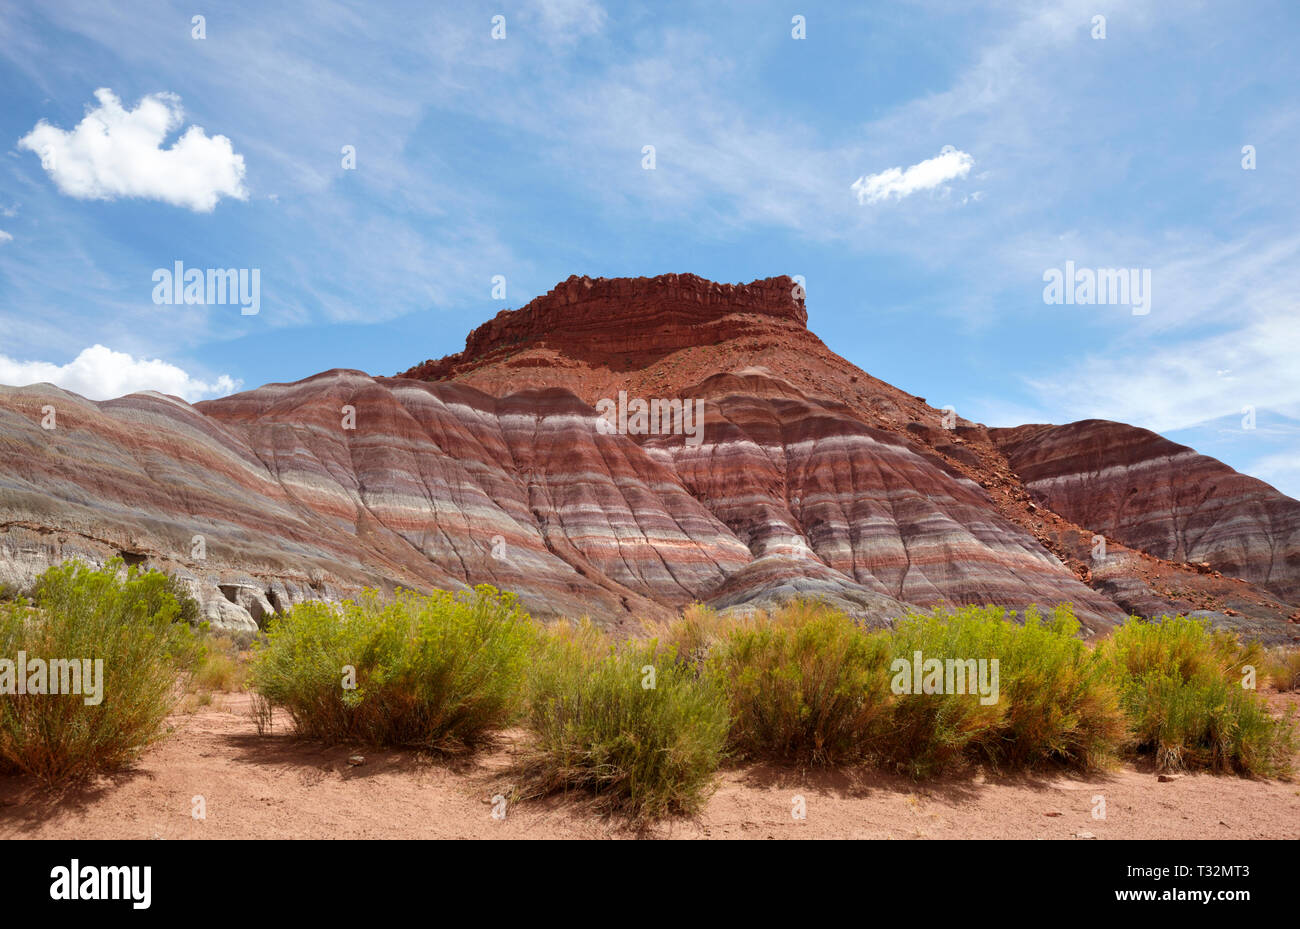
523 157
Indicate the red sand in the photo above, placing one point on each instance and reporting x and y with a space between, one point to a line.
277 786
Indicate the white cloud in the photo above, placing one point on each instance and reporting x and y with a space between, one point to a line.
1171 386
5 237
100 373
898 183
114 152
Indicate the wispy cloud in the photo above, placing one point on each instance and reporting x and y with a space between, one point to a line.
570 18
1281 469
948 165
1224 337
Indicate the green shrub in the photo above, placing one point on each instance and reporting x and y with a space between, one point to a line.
804 685
1062 701
86 613
644 751
1055 701
189 607
439 671
1182 690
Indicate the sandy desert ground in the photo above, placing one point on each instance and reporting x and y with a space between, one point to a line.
276 786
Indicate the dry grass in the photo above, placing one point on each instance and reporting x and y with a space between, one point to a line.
1282 668
222 668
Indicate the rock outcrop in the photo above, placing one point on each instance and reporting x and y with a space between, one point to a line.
1163 498
499 465
626 323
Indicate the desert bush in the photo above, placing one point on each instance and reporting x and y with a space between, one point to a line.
1057 702
167 589
693 634
804 684
628 723
1183 693
126 619
439 672
1282 665
1062 700
189 606
219 665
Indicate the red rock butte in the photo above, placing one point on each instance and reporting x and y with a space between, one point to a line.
810 478
629 321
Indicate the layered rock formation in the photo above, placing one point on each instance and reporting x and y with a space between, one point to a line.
759 327
625 324
495 465
808 486
344 480
1163 498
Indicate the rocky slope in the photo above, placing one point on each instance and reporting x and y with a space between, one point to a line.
1163 498
508 464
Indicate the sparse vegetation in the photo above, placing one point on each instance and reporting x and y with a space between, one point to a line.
643 725
1282 666
699 628
629 723
221 666
189 606
1056 702
1183 694
122 618
804 684
440 672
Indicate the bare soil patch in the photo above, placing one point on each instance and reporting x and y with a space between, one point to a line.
277 786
